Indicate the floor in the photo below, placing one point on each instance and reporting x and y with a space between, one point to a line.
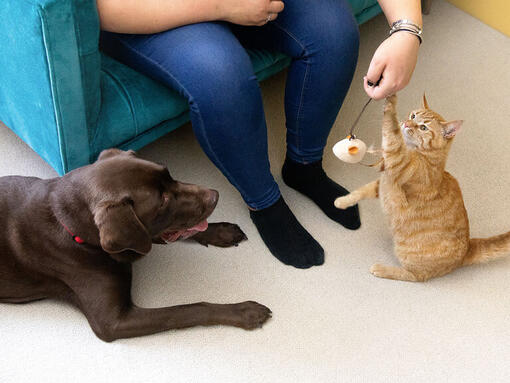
334 323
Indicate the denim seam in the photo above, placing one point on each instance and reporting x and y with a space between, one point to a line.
164 70
269 199
304 81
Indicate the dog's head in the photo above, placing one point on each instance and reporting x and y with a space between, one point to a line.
137 203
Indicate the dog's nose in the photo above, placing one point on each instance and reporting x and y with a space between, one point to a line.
212 197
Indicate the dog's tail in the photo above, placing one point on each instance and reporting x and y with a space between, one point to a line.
483 250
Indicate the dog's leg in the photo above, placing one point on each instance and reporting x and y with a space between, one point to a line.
370 190
221 234
392 272
106 302
136 321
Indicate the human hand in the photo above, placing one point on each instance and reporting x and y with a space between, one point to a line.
393 63
249 12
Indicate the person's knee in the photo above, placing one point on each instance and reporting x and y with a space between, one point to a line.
221 76
339 33
329 30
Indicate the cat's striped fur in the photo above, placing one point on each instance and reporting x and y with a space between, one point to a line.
423 202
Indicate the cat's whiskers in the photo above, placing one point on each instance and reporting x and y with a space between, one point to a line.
424 203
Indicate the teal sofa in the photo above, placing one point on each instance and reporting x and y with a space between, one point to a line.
68 101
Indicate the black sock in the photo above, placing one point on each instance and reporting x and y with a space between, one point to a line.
312 181
285 237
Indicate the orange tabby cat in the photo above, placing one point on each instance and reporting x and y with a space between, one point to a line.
424 202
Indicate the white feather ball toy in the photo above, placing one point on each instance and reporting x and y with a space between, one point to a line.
350 149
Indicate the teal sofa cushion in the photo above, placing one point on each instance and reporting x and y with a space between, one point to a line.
68 101
364 9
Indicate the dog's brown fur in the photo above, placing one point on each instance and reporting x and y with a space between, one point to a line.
119 206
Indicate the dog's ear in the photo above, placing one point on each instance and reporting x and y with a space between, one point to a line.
109 153
120 228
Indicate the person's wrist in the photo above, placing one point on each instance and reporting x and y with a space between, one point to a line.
406 37
407 26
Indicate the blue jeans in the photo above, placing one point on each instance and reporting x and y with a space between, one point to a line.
208 65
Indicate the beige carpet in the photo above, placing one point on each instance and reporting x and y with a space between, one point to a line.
333 323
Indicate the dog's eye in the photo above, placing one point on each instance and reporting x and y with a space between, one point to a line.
423 128
164 200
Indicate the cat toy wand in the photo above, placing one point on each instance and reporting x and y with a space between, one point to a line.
351 132
351 149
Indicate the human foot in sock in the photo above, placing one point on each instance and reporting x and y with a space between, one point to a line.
312 181
285 237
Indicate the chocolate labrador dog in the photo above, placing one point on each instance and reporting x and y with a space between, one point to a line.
75 238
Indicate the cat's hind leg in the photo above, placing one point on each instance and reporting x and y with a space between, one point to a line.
393 272
370 190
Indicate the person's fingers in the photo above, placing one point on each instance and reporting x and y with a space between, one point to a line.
375 71
269 17
373 88
275 7
380 93
387 86
368 89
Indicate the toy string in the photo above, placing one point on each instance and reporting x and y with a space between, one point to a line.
351 132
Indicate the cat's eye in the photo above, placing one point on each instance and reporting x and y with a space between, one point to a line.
423 128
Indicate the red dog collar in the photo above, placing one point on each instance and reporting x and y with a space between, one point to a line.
75 237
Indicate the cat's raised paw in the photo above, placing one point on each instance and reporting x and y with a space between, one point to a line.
390 103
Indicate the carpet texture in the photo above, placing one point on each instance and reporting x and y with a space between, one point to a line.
335 322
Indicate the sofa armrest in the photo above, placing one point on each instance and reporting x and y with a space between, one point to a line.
49 77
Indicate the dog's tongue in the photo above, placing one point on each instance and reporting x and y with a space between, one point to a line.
183 234
201 226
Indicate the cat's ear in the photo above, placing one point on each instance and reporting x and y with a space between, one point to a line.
425 103
450 129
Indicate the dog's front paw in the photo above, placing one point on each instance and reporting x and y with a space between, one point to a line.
221 234
251 315
344 202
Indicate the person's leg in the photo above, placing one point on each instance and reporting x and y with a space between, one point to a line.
322 38
206 64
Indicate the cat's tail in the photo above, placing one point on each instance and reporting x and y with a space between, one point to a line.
483 250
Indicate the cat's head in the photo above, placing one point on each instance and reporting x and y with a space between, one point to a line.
425 130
